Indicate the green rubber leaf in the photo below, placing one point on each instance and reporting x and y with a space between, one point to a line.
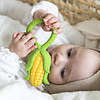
46 60
28 76
31 59
45 78
33 24
30 62
49 42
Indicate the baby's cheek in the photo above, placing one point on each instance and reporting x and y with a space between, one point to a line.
51 78
52 74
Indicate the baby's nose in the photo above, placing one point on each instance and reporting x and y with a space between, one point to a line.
59 58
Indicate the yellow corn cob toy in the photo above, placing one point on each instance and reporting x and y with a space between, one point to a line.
37 71
39 60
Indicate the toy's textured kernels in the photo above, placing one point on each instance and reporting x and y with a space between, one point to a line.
37 71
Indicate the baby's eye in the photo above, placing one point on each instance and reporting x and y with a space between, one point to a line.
69 53
62 72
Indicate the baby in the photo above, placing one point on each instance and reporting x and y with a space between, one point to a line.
69 62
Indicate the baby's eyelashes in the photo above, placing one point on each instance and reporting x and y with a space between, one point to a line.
62 72
65 72
71 52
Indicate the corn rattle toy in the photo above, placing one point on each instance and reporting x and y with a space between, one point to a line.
39 60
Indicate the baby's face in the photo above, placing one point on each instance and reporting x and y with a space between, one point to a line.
71 63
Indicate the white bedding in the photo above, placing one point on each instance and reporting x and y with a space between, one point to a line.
19 89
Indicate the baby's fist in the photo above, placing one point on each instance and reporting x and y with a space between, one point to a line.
22 44
51 21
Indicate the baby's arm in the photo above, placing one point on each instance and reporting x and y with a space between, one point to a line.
21 45
49 12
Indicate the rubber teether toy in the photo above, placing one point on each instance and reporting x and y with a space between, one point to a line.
39 60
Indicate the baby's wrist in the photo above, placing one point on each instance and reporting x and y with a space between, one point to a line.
12 50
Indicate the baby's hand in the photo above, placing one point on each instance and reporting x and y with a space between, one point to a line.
50 21
22 44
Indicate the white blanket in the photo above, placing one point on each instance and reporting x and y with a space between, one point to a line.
14 16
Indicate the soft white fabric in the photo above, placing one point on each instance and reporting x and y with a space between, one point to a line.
18 90
82 95
16 10
46 6
14 16
9 66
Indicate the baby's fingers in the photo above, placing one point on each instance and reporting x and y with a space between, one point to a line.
58 27
14 35
31 49
30 43
47 17
52 20
57 31
19 36
27 37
